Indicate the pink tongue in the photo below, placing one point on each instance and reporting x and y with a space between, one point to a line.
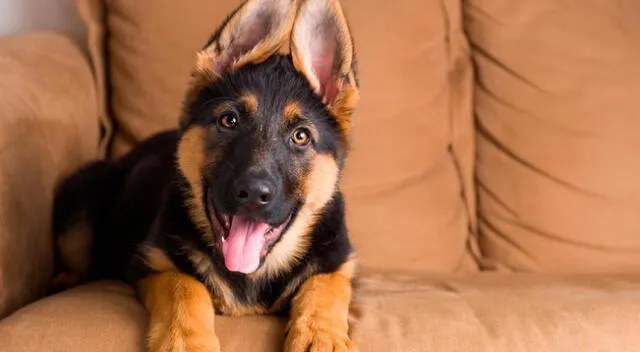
242 247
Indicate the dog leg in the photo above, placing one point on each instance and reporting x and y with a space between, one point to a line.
181 314
319 314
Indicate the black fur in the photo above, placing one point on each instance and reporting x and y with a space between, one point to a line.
119 199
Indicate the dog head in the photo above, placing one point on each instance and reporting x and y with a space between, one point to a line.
264 134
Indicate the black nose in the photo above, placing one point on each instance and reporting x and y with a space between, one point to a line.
254 192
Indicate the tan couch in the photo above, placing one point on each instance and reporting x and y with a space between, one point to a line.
493 190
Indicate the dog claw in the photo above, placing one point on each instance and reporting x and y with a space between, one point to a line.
306 337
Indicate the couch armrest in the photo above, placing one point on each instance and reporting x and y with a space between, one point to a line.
48 127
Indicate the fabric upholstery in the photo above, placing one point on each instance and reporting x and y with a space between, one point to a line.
409 180
48 127
92 14
558 104
393 312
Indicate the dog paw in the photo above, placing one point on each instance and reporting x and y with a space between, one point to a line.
185 346
317 337
172 340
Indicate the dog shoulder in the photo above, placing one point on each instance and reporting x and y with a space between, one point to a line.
163 248
331 247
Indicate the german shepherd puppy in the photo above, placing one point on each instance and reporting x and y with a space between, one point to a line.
238 211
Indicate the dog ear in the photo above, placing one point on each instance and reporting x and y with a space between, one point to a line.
322 50
252 33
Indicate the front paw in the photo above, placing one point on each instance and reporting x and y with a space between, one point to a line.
167 338
317 336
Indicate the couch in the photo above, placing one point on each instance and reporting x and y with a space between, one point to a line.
493 189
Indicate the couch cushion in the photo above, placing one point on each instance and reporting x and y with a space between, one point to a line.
558 107
105 316
48 128
409 181
394 312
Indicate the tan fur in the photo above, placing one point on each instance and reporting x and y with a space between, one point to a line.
205 63
224 301
292 287
321 182
342 109
291 110
158 260
319 315
350 267
181 314
319 188
191 160
251 103
75 248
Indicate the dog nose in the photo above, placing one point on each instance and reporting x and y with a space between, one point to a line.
254 193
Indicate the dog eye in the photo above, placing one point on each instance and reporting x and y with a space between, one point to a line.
228 120
301 137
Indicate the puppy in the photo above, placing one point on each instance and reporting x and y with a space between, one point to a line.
238 211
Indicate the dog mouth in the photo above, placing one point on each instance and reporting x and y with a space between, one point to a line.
245 242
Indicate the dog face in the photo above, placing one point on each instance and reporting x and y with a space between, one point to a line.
264 135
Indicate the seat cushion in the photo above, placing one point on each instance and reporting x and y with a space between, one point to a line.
558 105
105 316
393 312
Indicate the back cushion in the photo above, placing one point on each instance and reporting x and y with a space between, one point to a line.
558 107
409 179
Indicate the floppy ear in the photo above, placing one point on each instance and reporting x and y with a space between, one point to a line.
252 33
322 50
